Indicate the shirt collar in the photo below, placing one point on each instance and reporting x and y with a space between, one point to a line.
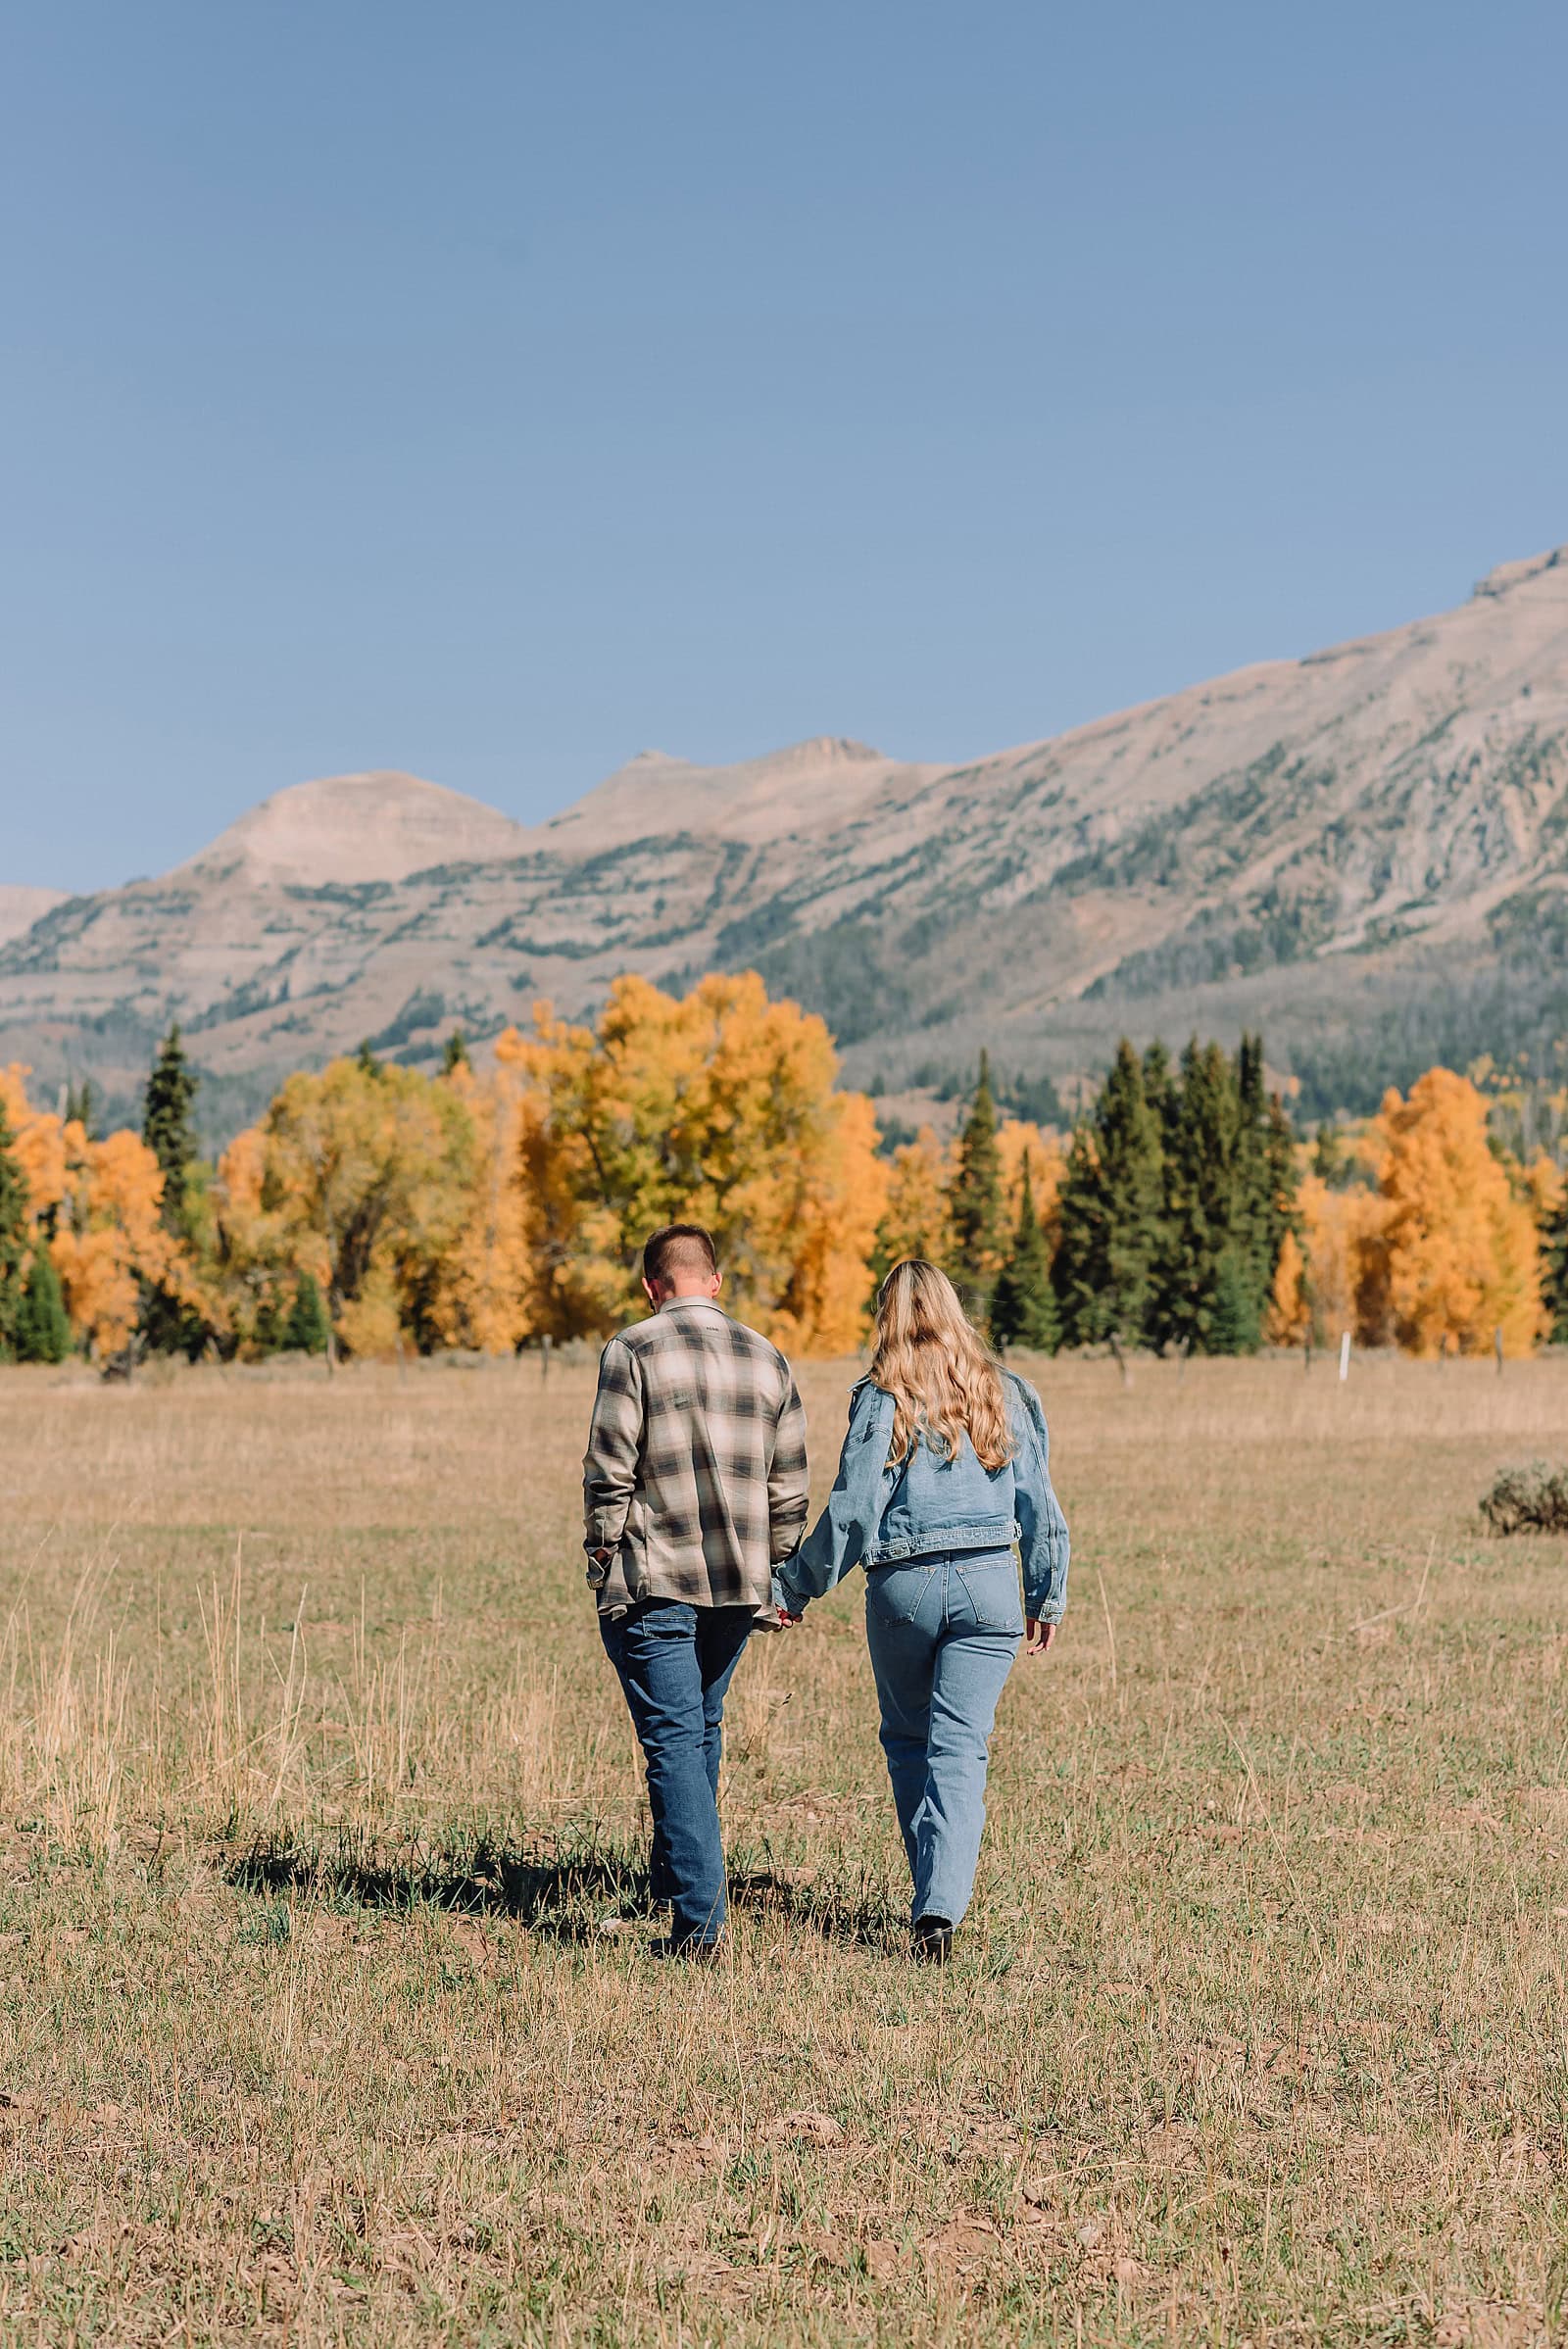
686 1304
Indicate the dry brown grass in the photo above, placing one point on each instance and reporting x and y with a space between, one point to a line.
318 1806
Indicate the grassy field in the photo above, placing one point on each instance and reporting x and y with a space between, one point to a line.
322 1911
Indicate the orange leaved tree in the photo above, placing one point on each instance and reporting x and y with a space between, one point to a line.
96 1205
716 1109
1456 1257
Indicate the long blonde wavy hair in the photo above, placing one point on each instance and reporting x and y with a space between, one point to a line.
942 1377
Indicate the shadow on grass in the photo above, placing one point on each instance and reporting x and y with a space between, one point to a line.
564 1889
859 1913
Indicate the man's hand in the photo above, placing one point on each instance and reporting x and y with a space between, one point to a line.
1037 1636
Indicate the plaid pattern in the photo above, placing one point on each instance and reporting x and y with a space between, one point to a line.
695 1474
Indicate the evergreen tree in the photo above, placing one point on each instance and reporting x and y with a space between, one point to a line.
1250 1215
1328 1155
165 1124
1284 1183
1201 1220
1109 1211
16 1239
1159 1086
43 1326
456 1055
366 1060
1023 1308
1235 1322
1554 1272
306 1330
168 1324
979 1241
81 1105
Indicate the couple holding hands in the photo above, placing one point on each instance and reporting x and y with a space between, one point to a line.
696 1497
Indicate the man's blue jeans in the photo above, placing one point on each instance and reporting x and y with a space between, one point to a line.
942 1632
674 1663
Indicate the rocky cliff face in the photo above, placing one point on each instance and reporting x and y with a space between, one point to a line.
1366 851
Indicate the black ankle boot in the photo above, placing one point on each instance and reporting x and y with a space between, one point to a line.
933 1940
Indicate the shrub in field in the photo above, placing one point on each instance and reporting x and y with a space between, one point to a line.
1528 1500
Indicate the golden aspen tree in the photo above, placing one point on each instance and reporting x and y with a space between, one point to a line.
1339 1228
38 1142
1457 1254
482 1292
361 1176
96 1205
917 1219
1020 1140
110 1237
716 1109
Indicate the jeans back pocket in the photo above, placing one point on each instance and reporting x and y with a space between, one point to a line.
989 1584
893 1594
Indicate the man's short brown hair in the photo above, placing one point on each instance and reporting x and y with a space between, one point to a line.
678 1248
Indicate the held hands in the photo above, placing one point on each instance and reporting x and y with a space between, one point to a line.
1037 1636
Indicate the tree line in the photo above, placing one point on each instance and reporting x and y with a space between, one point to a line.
374 1206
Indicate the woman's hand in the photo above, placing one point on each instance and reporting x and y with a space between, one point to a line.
1037 1636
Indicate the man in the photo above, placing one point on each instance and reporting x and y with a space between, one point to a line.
694 1488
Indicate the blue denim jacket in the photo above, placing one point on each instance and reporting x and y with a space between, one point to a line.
877 1513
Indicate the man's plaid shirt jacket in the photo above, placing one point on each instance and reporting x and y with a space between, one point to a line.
695 1476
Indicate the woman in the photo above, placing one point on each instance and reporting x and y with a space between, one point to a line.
944 1469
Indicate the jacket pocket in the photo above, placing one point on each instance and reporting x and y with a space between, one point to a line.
991 1585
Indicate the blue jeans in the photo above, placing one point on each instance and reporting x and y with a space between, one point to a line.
674 1663
943 1632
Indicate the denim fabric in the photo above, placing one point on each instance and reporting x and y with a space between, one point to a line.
929 1506
674 1663
942 1632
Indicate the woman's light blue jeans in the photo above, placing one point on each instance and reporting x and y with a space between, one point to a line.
943 1632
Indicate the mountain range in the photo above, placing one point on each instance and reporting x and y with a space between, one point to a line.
1364 852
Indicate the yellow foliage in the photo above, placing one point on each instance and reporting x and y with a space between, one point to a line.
484 1290
109 1237
99 1205
38 1142
1338 1227
1456 1257
918 1220
364 1179
717 1109
1289 1319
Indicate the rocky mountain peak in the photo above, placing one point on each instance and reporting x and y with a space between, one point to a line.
378 826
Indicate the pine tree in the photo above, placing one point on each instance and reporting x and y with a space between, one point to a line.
306 1330
1235 1323
16 1237
456 1055
165 1124
1328 1155
81 1105
1554 1271
979 1242
1023 1308
43 1326
1159 1086
1266 1180
1109 1211
168 1324
366 1060
1200 1219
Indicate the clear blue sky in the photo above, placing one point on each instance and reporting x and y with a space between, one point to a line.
495 390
